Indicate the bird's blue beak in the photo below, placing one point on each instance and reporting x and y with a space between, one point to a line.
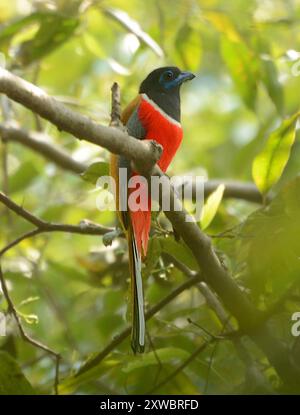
185 76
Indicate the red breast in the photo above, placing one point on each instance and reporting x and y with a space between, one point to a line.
160 127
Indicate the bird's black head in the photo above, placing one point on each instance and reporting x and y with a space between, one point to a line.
163 85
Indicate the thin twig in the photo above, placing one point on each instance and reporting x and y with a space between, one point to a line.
126 332
159 363
25 336
185 363
85 228
214 303
181 367
116 106
50 298
211 335
21 238
211 358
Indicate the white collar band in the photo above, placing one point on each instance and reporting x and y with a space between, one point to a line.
162 112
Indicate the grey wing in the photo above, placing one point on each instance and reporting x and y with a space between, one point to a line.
135 129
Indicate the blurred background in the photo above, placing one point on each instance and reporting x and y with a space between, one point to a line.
71 291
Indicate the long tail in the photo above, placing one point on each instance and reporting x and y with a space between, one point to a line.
138 318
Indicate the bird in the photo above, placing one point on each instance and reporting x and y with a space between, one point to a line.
153 115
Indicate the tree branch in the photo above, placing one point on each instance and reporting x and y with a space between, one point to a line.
36 141
116 111
76 124
126 333
237 190
85 228
233 189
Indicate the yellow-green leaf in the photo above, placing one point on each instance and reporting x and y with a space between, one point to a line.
94 171
188 45
178 250
29 318
53 31
93 45
243 68
269 164
242 63
165 355
72 383
211 206
223 24
269 73
12 380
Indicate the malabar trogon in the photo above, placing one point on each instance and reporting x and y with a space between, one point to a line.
153 115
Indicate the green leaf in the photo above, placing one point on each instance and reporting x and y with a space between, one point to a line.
269 164
54 30
243 67
12 28
223 24
239 58
29 318
183 383
93 45
28 300
271 245
269 73
165 355
152 257
178 250
211 207
70 384
12 380
269 76
94 171
71 273
23 177
188 45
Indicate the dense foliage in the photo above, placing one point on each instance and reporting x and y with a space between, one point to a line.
239 117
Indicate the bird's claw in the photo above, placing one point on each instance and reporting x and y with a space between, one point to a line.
110 236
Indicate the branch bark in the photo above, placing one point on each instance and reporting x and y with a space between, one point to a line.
233 189
36 141
74 123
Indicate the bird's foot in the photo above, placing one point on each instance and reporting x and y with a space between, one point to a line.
110 236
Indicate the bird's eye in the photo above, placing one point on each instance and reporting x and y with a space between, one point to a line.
168 74
166 79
